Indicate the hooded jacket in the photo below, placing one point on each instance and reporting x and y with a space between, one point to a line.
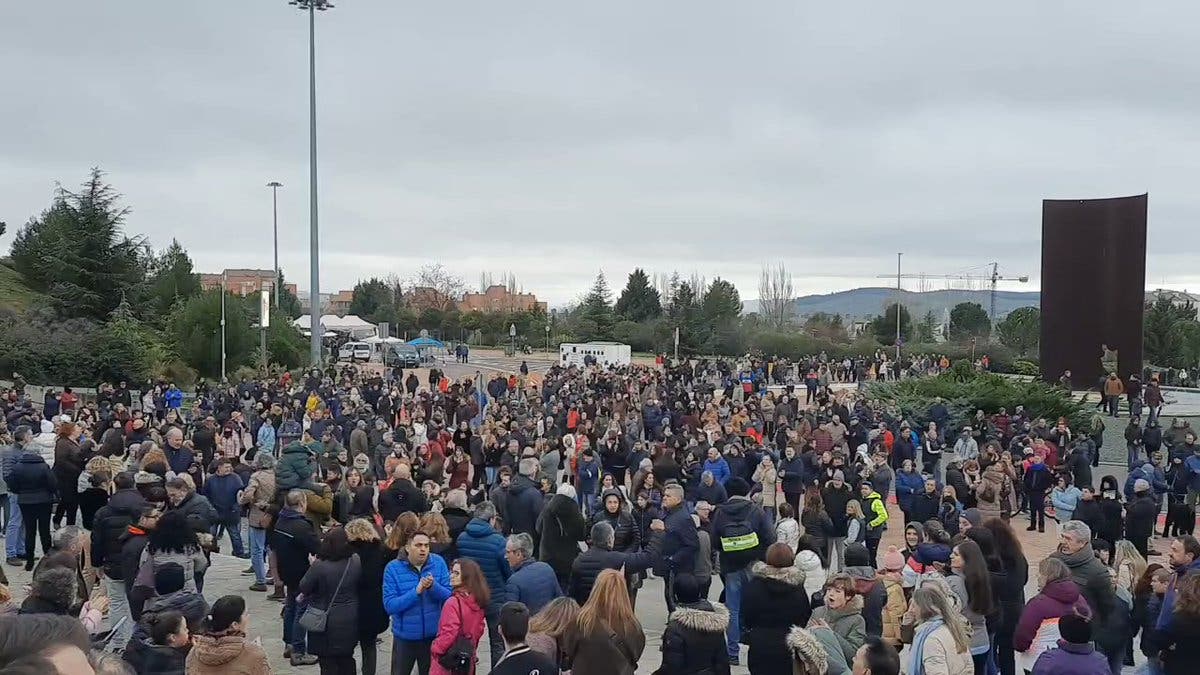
1057 598
560 528
481 543
523 506
874 596
694 640
847 623
32 481
111 523
739 549
227 654
773 600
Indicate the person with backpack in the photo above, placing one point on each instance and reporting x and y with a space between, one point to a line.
742 533
876 515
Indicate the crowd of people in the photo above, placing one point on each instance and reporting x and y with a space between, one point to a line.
523 516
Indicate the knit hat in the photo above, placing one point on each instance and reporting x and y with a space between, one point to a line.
973 516
1148 467
807 651
857 555
686 588
838 475
737 487
893 560
168 578
1141 485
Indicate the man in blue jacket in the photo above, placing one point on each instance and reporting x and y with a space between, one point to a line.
414 591
222 491
680 542
1185 559
717 465
482 543
533 582
179 457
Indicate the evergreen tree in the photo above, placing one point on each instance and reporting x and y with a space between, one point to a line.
1021 329
171 278
969 320
371 298
639 301
884 327
687 314
196 330
289 304
722 306
76 253
1162 336
596 312
925 329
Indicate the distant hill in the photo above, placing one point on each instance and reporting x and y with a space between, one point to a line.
861 303
14 294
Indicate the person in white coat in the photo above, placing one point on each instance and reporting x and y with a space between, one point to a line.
809 562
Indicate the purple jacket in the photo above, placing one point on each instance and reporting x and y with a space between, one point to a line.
1058 598
1071 659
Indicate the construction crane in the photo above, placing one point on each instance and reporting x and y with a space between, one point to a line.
993 278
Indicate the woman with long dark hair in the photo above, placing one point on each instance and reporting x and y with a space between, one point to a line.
331 584
462 616
68 464
971 582
817 523
1012 598
172 541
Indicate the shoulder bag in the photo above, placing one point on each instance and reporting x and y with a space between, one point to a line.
315 619
461 655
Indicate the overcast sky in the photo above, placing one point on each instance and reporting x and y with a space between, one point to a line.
555 139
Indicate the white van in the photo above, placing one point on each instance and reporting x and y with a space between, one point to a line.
354 351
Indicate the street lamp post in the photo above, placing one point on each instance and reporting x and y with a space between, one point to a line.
224 290
547 337
512 336
275 185
313 6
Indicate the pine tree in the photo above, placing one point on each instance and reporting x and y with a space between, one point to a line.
639 301
596 312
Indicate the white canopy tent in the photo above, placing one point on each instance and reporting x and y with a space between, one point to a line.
351 325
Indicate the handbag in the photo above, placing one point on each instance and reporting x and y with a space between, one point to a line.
461 655
315 619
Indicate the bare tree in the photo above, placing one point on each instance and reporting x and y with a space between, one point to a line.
775 294
435 287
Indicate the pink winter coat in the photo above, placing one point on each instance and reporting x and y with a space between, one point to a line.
460 614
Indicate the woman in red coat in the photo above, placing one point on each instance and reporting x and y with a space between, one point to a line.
462 615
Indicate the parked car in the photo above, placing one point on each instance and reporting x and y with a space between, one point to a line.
405 356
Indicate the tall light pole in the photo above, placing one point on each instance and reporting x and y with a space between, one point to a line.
275 185
224 290
312 7
898 256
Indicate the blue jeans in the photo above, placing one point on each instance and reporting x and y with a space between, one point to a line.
258 552
14 536
293 633
733 601
234 528
1133 456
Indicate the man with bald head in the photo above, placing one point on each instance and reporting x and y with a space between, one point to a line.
179 457
402 495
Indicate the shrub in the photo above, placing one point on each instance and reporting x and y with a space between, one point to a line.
1026 368
965 391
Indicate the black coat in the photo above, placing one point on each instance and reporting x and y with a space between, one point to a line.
341 633
401 495
457 520
626 536
1182 640
522 507
294 538
924 507
773 601
560 528
200 514
1110 510
133 543
373 558
32 481
1140 515
595 560
109 527
694 641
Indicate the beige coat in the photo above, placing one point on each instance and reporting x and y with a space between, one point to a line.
227 655
941 656
993 486
258 496
770 485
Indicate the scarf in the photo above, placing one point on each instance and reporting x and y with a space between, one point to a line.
926 629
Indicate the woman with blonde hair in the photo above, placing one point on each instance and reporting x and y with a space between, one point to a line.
367 544
548 628
435 525
941 642
1129 564
608 639
94 487
407 524
856 523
